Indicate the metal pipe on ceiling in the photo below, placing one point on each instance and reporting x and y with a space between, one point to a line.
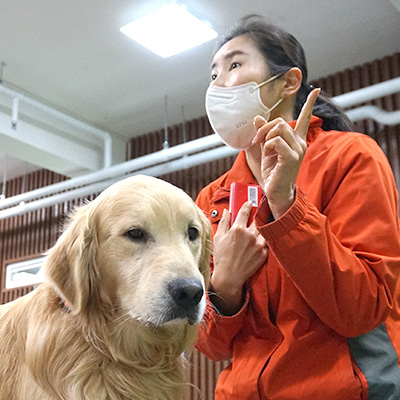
159 157
369 93
376 113
158 170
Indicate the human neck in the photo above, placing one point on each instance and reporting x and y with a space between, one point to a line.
253 158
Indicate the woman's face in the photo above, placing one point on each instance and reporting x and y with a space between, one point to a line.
239 61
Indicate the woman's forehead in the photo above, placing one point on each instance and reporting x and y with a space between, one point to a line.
239 45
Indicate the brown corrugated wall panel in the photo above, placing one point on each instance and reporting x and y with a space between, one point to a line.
29 235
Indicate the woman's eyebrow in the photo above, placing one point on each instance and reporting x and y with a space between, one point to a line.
229 55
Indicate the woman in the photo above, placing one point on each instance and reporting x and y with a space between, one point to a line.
305 299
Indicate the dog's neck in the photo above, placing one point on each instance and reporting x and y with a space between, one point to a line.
130 343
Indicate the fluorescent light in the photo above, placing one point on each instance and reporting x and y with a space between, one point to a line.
169 31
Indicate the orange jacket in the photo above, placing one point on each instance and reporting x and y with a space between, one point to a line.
321 319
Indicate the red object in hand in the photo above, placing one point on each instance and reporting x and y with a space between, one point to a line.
240 193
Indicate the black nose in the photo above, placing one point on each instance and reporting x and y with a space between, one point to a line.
186 293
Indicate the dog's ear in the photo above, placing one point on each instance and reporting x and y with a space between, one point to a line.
205 246
71 263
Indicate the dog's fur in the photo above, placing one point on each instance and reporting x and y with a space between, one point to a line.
104 325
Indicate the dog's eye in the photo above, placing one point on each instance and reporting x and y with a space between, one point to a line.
193 233
137 235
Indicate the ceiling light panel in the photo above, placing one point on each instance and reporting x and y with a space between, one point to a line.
170 30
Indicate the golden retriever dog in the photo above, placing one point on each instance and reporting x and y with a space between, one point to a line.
125 287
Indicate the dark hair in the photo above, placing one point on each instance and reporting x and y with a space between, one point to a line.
281 52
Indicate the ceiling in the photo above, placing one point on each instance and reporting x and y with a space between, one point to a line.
71 56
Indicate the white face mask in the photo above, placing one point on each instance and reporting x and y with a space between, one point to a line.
231 111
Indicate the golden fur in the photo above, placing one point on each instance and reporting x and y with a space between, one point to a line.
120 336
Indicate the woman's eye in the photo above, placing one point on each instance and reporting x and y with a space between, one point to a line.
136 235
213 77
235 65
193 233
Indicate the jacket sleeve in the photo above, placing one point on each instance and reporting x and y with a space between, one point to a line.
345 258
216 332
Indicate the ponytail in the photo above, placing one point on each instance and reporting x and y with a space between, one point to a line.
332 116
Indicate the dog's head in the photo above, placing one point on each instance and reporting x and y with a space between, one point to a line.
142 246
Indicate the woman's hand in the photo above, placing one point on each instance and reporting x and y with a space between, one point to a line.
239 252
282 152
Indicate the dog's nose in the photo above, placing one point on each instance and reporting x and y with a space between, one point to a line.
186 293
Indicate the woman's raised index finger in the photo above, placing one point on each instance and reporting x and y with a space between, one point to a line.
305 114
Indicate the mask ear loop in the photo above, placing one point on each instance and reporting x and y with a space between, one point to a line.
268 81
276 104
268 114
